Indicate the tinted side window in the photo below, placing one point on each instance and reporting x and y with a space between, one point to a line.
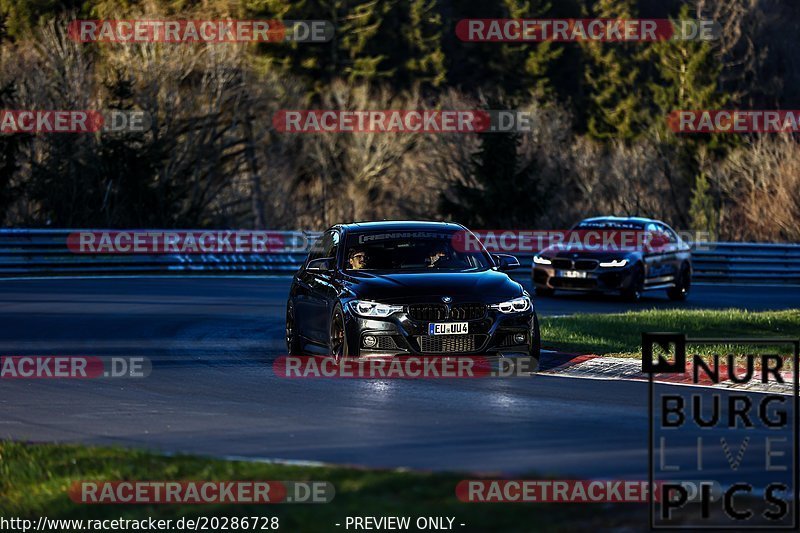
331 245
325 246
319 247
651 236
673 237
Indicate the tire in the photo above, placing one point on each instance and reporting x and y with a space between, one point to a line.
680 291
634 292
292 340
544 292
337 337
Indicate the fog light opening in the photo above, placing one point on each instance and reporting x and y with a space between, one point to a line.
370 341
519 338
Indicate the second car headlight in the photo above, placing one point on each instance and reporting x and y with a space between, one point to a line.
374 309
517 305
539 260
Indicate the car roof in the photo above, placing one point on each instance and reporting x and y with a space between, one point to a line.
633 220
400 225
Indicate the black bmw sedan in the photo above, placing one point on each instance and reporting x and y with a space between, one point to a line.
403 288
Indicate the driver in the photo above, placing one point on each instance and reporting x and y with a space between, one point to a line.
435 255
357 259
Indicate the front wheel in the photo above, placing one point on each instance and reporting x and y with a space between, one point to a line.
636 288
682 285
338 338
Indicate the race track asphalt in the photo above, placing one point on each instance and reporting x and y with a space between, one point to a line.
212 390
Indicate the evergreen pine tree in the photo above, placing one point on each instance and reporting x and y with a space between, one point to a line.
703 213
392 40
530 62
505 194
617 96
362 32
425 62
687 78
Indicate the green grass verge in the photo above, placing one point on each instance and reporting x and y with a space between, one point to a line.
34 479
620 335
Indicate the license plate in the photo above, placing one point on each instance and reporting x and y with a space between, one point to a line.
572 274
449 328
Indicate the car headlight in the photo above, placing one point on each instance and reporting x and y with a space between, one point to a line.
539 260
517 305
365 308
614 263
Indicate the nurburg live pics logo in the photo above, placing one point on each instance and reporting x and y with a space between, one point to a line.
742 441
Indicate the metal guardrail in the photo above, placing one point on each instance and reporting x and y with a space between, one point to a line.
35 252
44 252
732 262
747 262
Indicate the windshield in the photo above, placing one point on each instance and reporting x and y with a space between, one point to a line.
426 251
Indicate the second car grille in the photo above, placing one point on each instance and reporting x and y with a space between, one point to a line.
586 264
428 312
448 343
564 264
578 264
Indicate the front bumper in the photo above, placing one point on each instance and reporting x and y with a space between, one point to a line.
597 280
399 334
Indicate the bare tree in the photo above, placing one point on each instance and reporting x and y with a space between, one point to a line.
760 182
358 173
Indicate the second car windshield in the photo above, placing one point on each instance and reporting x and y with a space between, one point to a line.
393 251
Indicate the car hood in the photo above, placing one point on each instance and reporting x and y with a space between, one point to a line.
488 286
577 250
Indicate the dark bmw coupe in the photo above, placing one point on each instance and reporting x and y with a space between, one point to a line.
395 288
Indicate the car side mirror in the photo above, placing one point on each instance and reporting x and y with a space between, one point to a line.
506 262
323 264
